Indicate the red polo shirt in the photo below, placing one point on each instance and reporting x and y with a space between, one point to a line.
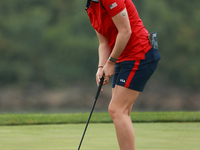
101 13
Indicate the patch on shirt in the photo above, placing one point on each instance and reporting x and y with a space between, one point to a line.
113 5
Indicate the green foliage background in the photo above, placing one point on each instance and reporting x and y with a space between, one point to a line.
51 42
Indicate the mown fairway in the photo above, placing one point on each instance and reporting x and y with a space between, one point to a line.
149 136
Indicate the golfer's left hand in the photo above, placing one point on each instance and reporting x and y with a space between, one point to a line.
108 70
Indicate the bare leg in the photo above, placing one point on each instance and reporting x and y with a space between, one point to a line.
119 109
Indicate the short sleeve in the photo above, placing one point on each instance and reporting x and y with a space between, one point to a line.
113 7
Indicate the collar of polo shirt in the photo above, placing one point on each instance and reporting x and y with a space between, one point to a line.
88 3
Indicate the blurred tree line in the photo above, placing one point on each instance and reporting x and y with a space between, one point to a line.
51 42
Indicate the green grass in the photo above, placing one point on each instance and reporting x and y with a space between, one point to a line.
149 136
33 119
154 131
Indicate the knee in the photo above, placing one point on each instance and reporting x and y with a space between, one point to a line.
114 111
118 112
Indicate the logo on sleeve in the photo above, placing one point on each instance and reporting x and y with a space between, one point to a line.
113 5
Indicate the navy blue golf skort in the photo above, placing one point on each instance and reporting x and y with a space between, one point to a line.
135 74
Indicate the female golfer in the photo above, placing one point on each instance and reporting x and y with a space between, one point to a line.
125 52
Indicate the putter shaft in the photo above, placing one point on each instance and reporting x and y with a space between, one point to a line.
95 100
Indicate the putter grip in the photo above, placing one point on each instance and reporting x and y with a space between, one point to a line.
99 88
101 82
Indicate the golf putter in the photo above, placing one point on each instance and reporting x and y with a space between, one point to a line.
95 100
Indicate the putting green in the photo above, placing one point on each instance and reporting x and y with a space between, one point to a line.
149 136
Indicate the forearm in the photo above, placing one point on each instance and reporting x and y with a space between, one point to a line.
120 44
104 53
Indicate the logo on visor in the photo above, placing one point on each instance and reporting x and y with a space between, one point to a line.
113 5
